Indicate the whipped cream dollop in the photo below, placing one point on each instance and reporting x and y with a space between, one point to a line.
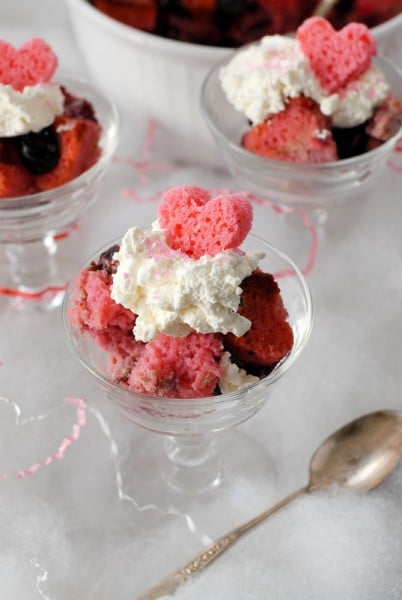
262 77
30 110
175 294
233 378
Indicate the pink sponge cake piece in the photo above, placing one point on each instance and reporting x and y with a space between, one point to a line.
336 57
185 367
300 133
95 309
198 224
124 351
32 64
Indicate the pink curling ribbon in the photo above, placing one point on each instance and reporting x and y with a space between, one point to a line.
48 291
81 407
145 165
5 291
309 227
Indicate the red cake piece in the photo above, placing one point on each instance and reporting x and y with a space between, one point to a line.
14 181
300 133
336 57
185 367
79 150
270 337
197 224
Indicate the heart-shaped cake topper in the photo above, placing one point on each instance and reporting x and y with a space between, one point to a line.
336 57
198 224
34 63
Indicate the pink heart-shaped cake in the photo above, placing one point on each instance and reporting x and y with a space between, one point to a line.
34 63
197 224
336 57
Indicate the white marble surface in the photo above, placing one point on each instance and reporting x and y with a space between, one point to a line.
87 525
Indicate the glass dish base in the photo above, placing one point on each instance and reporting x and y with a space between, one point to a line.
242 484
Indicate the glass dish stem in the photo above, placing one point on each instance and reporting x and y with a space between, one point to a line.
191 463
33 268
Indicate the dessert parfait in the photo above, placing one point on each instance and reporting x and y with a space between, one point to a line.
315 98
48 136
233 23
180 309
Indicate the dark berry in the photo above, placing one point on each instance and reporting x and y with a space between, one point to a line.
39 152
169 3
105 261
350 141
77 108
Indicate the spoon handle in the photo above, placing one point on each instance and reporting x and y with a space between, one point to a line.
324 7
169 584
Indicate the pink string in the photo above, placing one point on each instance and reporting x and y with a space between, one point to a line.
305 219
49 291
65 234
65 444
132 194
145 165
308 225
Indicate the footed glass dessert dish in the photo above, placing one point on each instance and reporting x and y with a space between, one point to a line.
293 184
30 224
191 459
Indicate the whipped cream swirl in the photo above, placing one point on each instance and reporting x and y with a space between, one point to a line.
30 110
175 294
260 79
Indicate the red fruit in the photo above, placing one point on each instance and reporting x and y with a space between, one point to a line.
79 150
140 14
373 8
270 337
286 15
199 5
300 133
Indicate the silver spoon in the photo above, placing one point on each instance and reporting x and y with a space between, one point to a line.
324 7
359 456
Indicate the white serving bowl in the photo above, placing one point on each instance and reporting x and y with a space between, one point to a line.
149 76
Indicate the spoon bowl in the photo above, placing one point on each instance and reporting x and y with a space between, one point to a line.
359 456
